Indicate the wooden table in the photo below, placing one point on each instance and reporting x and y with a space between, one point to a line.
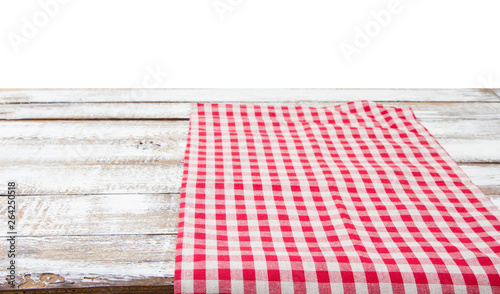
98 172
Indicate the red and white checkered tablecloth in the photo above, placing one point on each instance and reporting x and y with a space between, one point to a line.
354 198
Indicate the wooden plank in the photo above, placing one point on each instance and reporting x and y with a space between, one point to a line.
36 132
122 110
79 157
473 151
74 154
33 179
160 153
452 110
170 135
91 142
83 261
482 174
240 95
50 215
125 110
113 142
39 179
174 133
123 214
463 129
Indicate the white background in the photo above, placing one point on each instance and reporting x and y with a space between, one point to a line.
277 43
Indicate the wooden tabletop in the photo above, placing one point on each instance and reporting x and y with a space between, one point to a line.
98 171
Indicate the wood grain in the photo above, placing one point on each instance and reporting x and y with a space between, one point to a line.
68 132
173 134
79 157
81 142
149 141
168 110
63 215
474 151
84 261
115 214
241 95
141 178
483 174
36 179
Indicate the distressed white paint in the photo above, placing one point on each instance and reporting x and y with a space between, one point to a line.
464 129
124 110
96 178
50 215
118 256
87 153
483 175
462 150
92 130
480 150
251 95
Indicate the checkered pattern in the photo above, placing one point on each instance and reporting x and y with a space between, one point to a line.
354 198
